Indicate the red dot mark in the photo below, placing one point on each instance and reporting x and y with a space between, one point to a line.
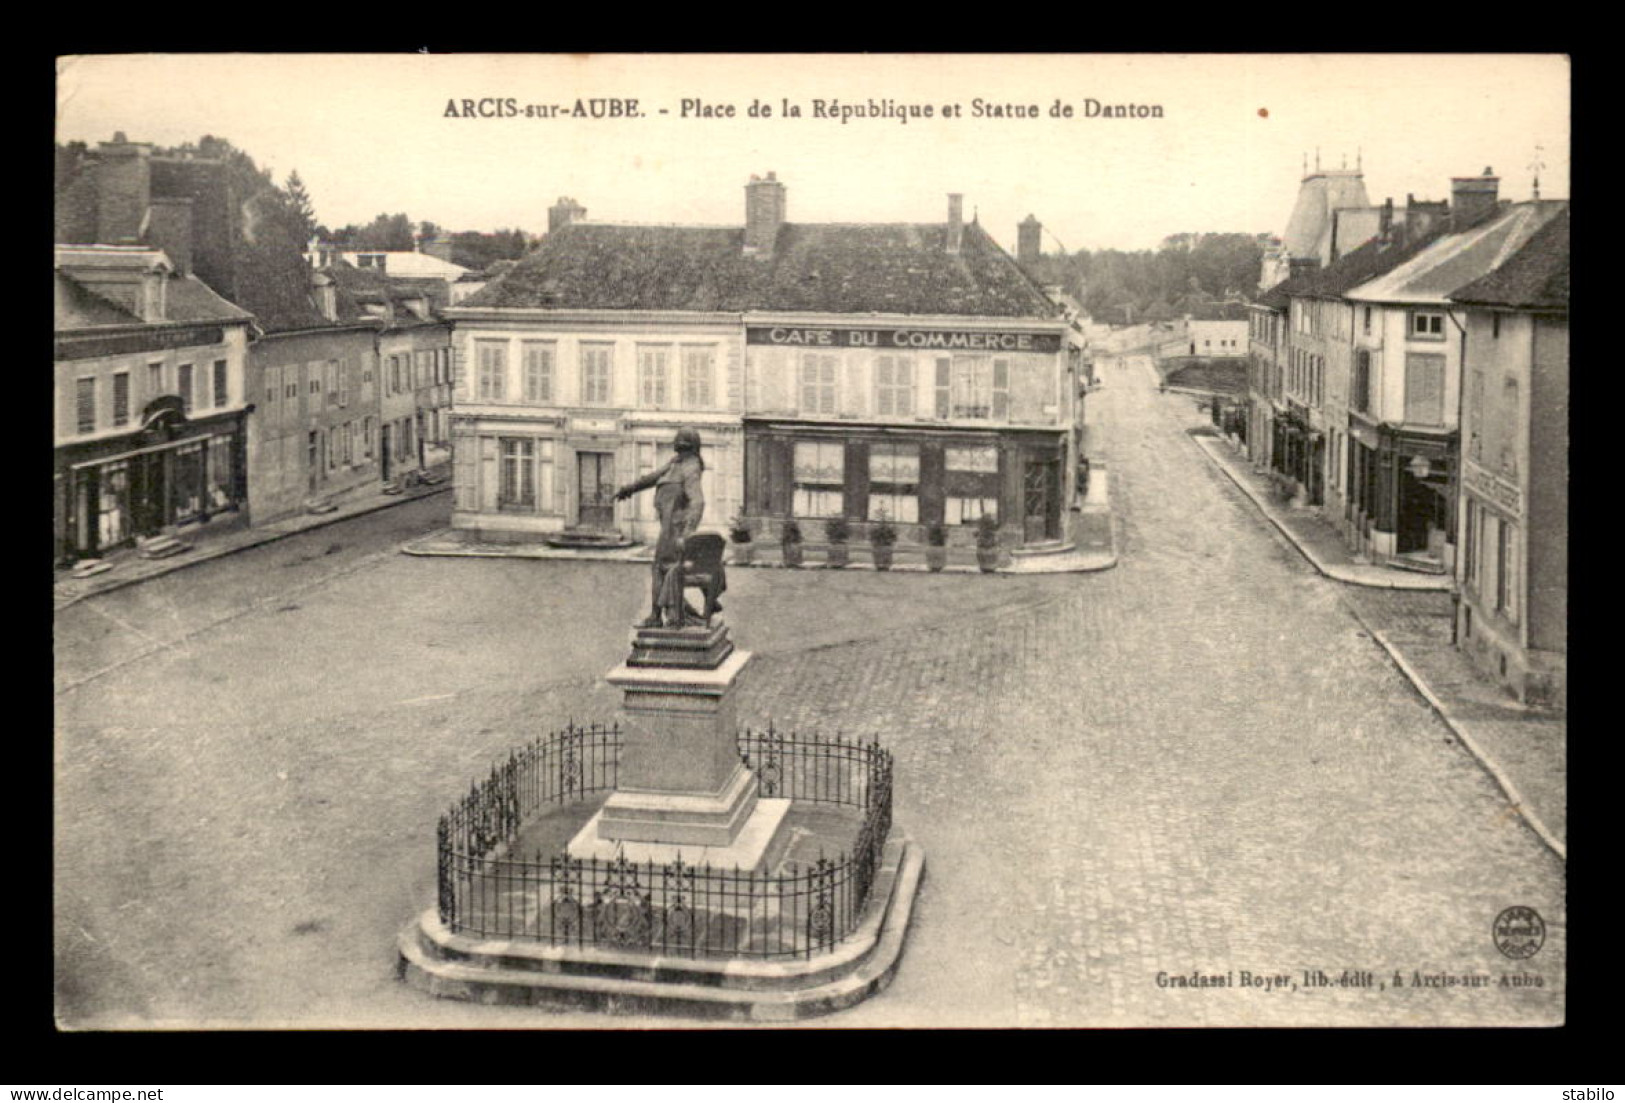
1263 112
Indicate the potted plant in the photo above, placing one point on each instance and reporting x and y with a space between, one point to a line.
837 532
987 543
790 542
936 546
882 535
739 533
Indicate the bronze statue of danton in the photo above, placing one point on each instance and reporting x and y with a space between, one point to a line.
680 504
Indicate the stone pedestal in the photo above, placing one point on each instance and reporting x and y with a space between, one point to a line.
682 788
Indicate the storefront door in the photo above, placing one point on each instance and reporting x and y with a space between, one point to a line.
1416 507
151 492
596 480
1041 501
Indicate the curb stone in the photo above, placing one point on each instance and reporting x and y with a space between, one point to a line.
261 537
1418 682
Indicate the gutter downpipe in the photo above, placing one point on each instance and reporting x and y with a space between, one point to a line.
1457 567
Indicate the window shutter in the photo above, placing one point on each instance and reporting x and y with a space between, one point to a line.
488 481
944 373
854 395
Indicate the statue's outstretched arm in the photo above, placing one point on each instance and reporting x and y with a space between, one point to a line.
644 483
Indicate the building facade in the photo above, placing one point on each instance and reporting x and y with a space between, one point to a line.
1266 376
914 420
150 401
314 435
1513 572
553 410
1406 376
832 370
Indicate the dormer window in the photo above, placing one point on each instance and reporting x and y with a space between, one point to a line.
327 300
1426 325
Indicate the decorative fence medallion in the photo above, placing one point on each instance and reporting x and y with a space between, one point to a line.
768 777
622 908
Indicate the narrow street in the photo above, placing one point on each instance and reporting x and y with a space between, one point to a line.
1196 761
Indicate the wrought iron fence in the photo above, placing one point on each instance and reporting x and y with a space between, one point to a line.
667 907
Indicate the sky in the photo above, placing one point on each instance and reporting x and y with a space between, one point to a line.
385 133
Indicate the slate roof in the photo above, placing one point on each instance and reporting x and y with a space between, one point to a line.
839 268
1309 229
78 307
1456 259
1279 297
1536 277
1364 264
186 298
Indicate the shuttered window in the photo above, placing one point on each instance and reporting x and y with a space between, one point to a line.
538 368
894 386
699 378
86 404
121 398
595 374
654 372
818 383
1424 389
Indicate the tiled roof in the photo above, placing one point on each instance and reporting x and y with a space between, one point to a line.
895 268
1457 259
370 286
1536 277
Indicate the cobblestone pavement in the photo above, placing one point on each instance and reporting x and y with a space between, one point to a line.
1196 762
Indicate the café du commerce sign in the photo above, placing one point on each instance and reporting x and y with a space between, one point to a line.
901 339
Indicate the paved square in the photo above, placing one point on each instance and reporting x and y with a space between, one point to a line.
1195 764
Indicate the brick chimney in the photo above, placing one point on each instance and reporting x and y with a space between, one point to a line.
1385 221
564 212
764 214
1029 237
123 190
170 229
956 223
1474 198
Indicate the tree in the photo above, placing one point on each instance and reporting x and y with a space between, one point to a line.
303 210
478 251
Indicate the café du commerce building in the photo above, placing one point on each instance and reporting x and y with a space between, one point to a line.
910 370
918 420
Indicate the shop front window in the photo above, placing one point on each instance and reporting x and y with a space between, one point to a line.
220 474
113 507
188 469
820 478
894 482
